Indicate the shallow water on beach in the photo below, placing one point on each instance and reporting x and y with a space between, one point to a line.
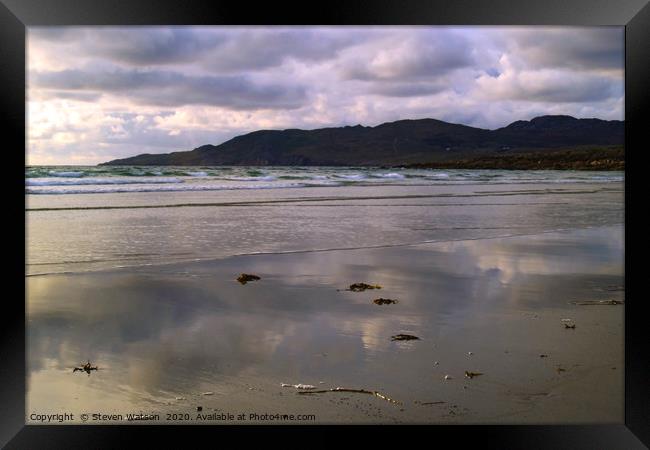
80 232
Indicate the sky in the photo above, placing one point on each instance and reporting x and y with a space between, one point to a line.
100 93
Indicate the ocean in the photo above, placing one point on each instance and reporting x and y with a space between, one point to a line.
59 180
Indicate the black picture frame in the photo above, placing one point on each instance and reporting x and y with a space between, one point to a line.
17 15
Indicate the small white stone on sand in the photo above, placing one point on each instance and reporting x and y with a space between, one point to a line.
299 386
470 353
436 363
448 377
180 398
208 393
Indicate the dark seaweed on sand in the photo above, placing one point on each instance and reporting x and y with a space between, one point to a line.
85 368
360 287
245 278
384 301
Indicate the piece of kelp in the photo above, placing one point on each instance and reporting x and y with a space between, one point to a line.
404 337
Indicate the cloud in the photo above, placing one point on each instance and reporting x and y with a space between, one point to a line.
57 35
423 55
146 46
130 45
263 48
169 88
547 85
221 49
575 48
406 89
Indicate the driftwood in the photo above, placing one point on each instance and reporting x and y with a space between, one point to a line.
357 391
599 302
472 374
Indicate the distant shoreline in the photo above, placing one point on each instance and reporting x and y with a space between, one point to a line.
610 158
583 159
587 159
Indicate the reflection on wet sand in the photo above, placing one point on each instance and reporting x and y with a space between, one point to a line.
181 330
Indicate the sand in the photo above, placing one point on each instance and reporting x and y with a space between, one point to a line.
172 338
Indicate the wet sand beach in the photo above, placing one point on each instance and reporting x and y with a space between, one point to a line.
169 339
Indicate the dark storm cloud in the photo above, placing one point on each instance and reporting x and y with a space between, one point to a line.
168 88
218 49
155 46
593 90
261 49
131 45
577 48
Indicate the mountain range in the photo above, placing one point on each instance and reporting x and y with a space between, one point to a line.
421 142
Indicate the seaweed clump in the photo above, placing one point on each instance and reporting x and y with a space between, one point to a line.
246 277
384 301
85 368
360 287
